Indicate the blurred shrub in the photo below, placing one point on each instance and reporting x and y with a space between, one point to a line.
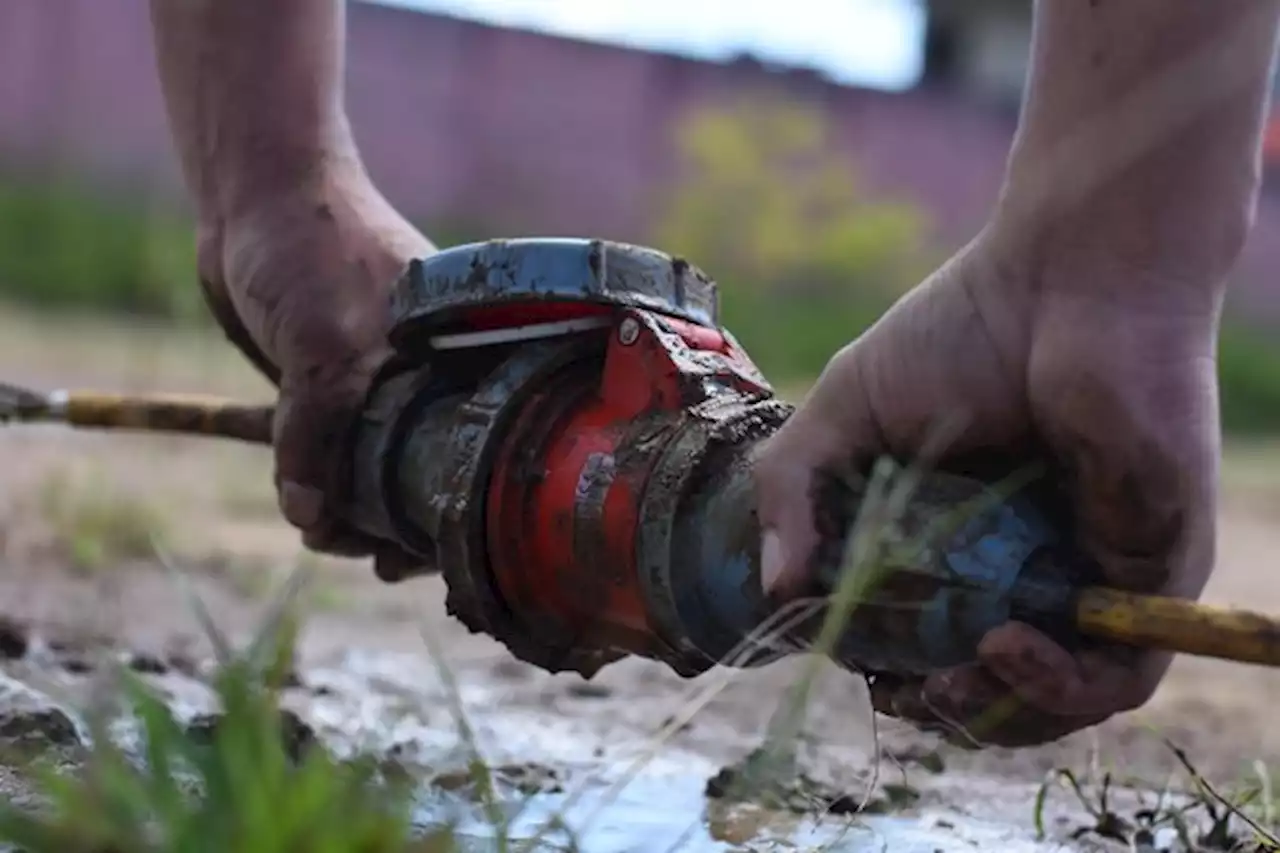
1249 380
776 214
806 260
64 245
61 246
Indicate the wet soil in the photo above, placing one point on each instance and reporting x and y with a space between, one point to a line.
364 680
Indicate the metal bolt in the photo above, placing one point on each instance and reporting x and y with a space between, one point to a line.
628 331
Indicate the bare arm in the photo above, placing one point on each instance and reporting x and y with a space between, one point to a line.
296 248
1079 330
254 94
1141 132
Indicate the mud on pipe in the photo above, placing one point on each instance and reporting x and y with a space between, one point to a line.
580 515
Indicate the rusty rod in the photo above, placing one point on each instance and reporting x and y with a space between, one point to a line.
189 414
1177 625
1153 622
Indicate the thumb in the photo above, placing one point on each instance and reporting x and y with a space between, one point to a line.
787 539
817 437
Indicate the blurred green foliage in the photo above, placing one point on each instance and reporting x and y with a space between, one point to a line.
806 259
1249 380
253 779
63 247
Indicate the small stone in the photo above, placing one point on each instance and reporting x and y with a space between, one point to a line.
147 664
15 639
204 727
530 779
589 690
526 779
183 663
29 716
719 785
77 665
296 736
509 669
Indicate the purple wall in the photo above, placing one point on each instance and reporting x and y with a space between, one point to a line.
462 120
456 117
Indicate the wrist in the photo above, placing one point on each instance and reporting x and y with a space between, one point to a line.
247 197
1114 261
1170 225
260 170
335 197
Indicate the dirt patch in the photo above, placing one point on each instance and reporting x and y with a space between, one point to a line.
798 792
363 677
529 779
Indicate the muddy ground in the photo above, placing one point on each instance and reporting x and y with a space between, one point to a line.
78 513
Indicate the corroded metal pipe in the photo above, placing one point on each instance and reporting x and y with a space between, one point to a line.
566 434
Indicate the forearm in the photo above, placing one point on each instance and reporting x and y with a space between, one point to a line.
1140 139
254 94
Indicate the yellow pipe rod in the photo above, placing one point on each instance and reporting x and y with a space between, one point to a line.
180 413
1177 625
1151 622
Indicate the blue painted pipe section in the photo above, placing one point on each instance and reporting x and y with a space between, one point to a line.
931 610
716 563
987 560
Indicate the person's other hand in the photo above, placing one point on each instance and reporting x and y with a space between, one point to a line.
1107 374
301 285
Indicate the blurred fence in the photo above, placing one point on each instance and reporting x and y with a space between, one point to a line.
806 258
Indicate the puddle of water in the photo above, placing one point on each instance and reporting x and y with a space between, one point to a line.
655 814
662 809
649 814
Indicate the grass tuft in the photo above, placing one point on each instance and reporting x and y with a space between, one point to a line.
239 785
96 526
1202 818
240 789
235 785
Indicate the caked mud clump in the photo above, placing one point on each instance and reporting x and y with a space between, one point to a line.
750 780
82 655
296 735
527 779
835 499
28 718
14 639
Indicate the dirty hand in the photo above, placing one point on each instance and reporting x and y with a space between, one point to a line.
1105 373
301 283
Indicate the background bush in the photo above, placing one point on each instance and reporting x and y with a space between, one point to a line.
1249 380
807 260
805 257
64 247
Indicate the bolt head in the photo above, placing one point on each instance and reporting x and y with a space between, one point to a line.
628 331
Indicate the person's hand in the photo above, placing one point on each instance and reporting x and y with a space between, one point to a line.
300 283
1105 373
